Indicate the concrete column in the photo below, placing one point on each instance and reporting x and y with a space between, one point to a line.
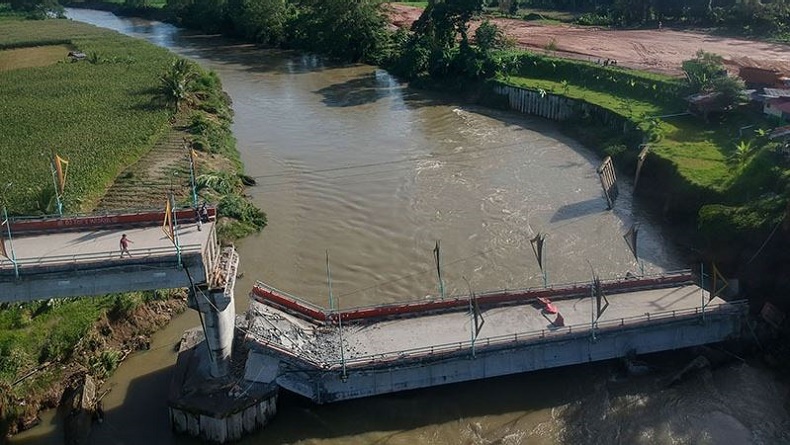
218 314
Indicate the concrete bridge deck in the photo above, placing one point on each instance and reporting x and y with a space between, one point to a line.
43 250
80 256
384 340
417 350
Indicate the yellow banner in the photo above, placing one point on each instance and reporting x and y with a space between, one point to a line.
62 169
193 159
167 224
719 283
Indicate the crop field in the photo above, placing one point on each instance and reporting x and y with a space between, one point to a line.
100 114
14 59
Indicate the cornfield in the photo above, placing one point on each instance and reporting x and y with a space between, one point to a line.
100 113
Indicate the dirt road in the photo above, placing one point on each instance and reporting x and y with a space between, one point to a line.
660 51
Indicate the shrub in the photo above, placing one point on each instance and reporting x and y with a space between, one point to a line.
104 364
213 134
595 19
236 207
123 305
615 150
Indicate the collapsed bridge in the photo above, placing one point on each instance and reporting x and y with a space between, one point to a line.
329 356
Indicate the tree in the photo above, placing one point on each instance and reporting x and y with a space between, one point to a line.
176 87
706 74
730 90
488 36
209 16
39 9
445 20
433 46
703 69
741 154
260 20
352 31
136 3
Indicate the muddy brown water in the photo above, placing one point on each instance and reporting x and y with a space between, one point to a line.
350 161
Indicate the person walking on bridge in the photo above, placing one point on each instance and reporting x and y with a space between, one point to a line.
125 245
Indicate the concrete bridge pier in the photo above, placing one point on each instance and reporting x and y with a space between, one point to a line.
205 399
215 303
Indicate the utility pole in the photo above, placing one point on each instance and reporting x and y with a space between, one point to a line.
7 223
334 309
437 255
329 283
191 154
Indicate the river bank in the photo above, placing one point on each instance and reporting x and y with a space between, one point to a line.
128 146
124 328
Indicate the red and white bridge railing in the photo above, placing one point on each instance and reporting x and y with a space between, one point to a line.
270 295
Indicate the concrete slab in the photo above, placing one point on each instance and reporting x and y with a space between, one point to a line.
453 330
88 246
58 264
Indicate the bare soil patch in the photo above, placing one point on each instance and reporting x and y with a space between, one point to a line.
14 59
659 51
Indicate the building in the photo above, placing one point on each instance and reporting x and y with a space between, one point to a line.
778 106
763 77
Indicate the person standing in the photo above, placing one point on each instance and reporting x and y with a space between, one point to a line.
125 245
203 212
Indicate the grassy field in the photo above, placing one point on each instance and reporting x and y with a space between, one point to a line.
14 59
539 15
702 153
415 3
99 114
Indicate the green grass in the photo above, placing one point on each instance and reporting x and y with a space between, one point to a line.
700 154
17 58
699 151
34 333
617 104
44 335
99 116
416 4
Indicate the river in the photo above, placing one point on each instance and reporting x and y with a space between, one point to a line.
352 162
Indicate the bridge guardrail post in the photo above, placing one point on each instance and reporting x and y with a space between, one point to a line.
12 258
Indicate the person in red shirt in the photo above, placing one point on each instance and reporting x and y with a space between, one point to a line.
125 245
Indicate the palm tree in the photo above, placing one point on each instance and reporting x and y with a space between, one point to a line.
177 84
742 151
